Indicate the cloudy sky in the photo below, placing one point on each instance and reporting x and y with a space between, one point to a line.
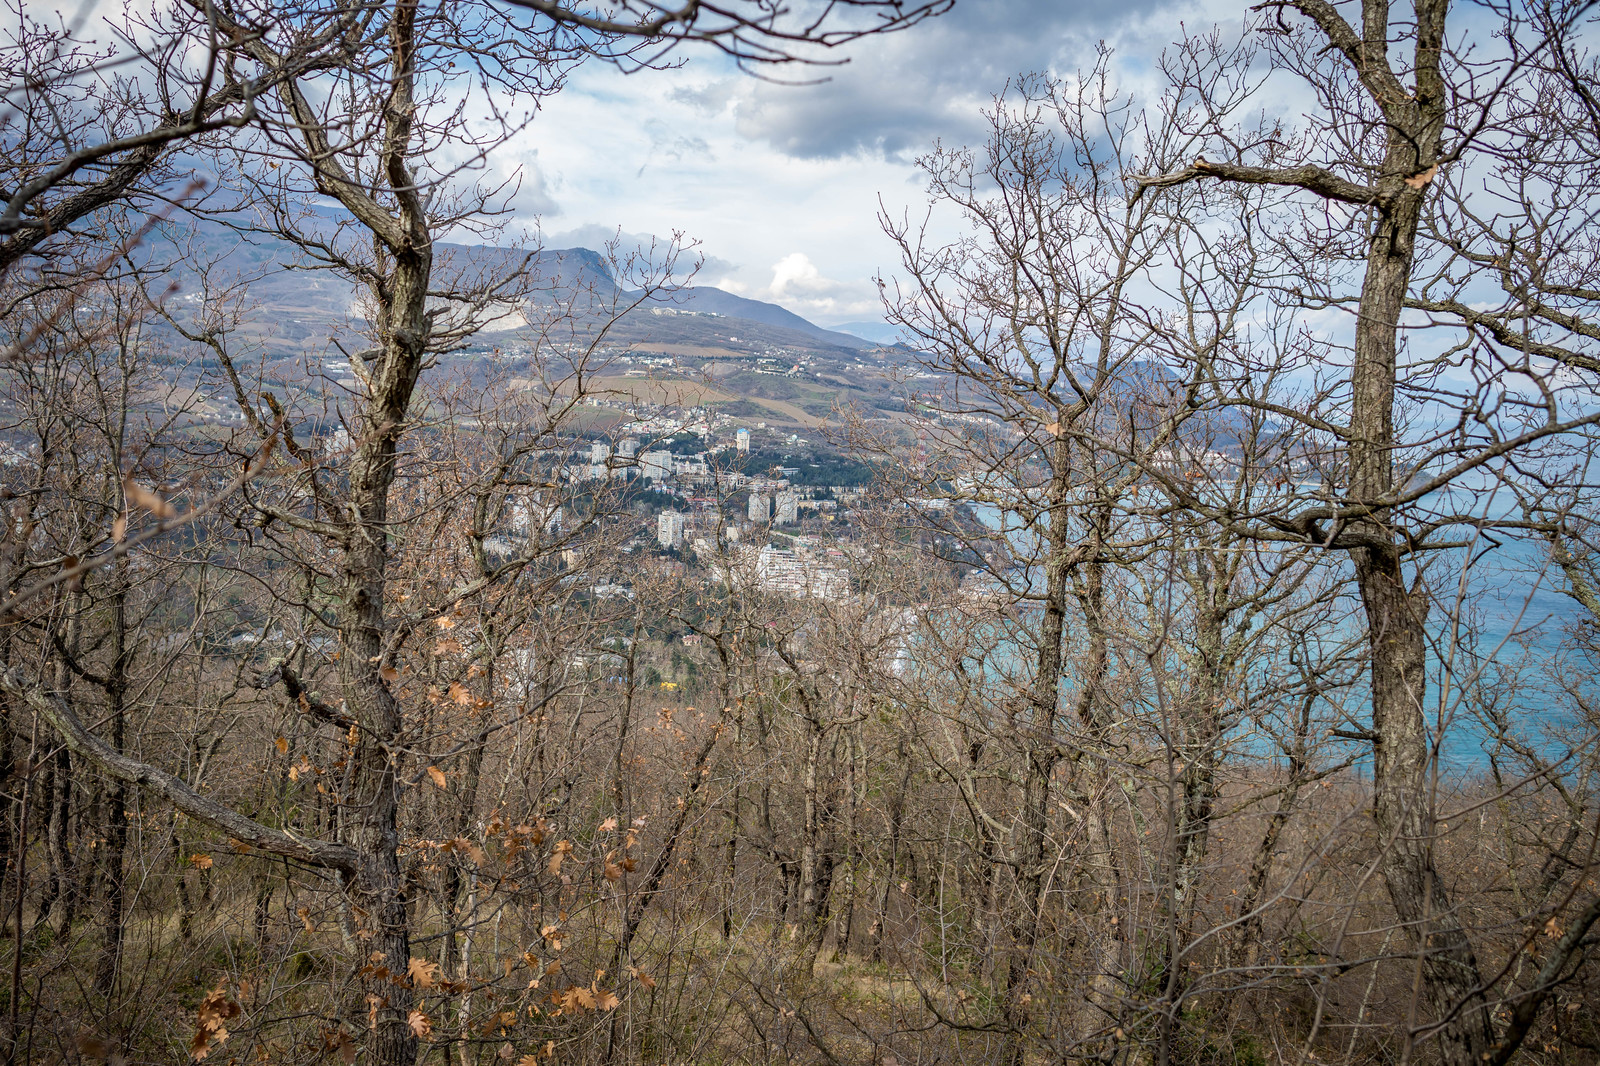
781 183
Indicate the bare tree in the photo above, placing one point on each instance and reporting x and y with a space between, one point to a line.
1401 112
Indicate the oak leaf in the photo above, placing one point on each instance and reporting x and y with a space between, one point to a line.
215 1011
139 496
420 1024
1422 177
92 1047
436 775
422 972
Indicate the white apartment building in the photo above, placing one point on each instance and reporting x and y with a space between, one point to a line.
532 512
760 509
781 571
742 441
786 509
657 464
669 529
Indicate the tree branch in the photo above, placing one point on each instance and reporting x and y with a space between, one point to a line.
174 790
1314 179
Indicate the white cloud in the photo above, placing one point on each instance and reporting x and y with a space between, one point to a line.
781 185
797 284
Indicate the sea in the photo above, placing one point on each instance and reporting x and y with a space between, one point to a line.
1511 652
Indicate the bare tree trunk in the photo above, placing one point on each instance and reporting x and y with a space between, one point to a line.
1403 758
1040 754
116 689
897 816
844 900
811 832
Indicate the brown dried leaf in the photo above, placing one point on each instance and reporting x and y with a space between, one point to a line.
211 1017
139 496
607 1000
70 562
282 745
200 862
423 972
390 674
436 775
444 621
1421 178
92 1047
609 825
448 646
420 1024
461 694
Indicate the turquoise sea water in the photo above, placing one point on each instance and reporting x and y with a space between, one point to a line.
1501 631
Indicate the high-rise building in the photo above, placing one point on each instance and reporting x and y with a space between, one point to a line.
533 512
599 451
742 441
760 509
657 464
669 529
787 508
627 448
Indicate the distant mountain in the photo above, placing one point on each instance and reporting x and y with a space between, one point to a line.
876 332
302 305
716 301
